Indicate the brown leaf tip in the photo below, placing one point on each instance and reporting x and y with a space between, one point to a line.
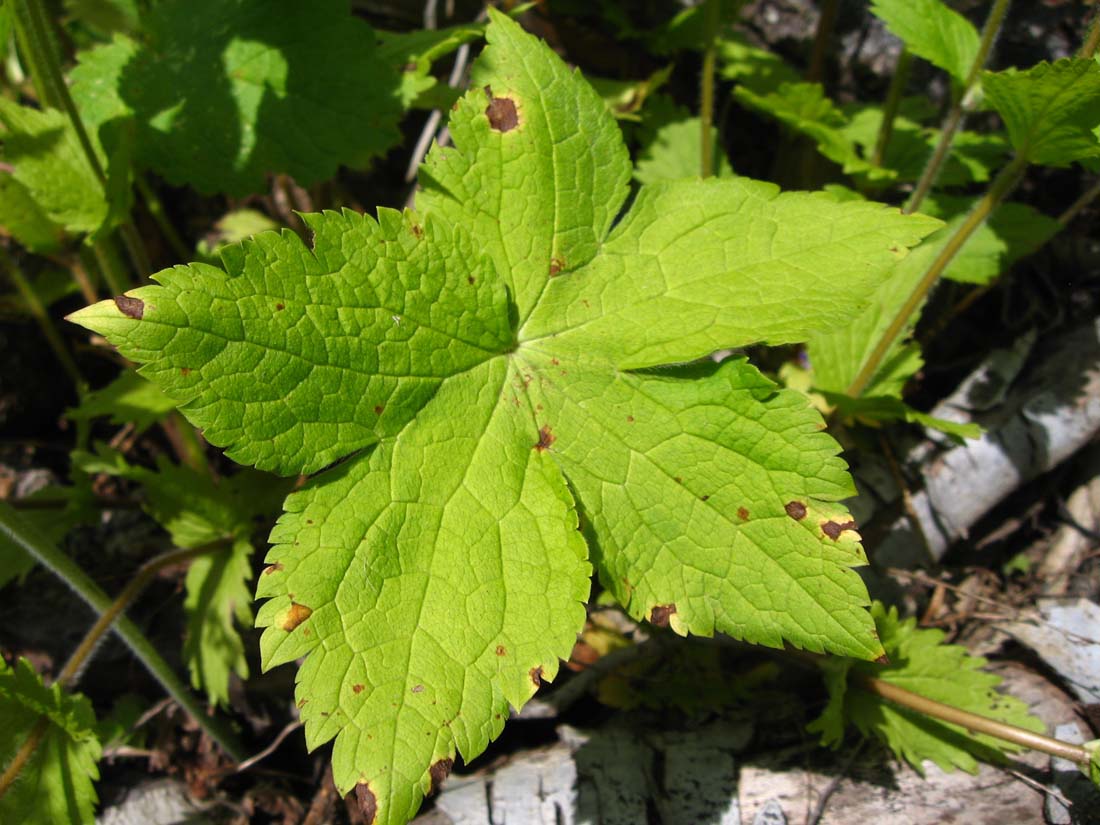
660 614
295 615
833 530
536 675
440 771
130 307
501 112
882 660
367 801
796 510
546 438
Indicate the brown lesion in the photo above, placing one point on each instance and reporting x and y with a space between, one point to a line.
438 772
796 510
501 111
546 438
535 675
660 614
295 615
833 529
130 307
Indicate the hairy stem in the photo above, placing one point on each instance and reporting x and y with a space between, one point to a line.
955 115
975 723
890 108
1004 183
42 317
1092 38
706 90
15 531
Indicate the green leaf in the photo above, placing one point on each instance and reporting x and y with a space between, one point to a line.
472 364
106 16
411 54
24 220
922 664
1093 771
129 399
887 408
625 98
1051 111
233 227
933 31
48 160
56 784
759 70
672 150
223 92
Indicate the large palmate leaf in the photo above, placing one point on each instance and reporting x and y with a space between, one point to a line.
56 784
485 366
223 91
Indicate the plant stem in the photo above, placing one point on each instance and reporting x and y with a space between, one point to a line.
106 256
826 22
975 723
1087 197
156 209
963 101
69 673
15 531
53 338
890 108
1092 38
1004 183
706 90
23 755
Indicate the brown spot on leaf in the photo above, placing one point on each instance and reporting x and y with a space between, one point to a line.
546 438
280 307
882 660
273 568
556 265
130 307
302 703
501 112
796 510
417 230
555 361
630 419
295 615
536 675
704 498
417 688
185 371
367 801
357 688
833 530
678 480
660 614
501 650
378 409
742 514
440 771
470 279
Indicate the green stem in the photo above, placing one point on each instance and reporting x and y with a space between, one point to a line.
826 22
1087 197
109 266
15 531
890 108
23 755
963 101
45 323
706 90
156 209
185 442
975 723
1004 183
1092 38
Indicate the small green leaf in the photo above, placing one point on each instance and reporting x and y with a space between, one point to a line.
885 408
672 150
921 663
56 784
410 55
759 70
223 92
129 399
24 220
933 31
106 16
1093 771
48 160
1051 111
233 227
